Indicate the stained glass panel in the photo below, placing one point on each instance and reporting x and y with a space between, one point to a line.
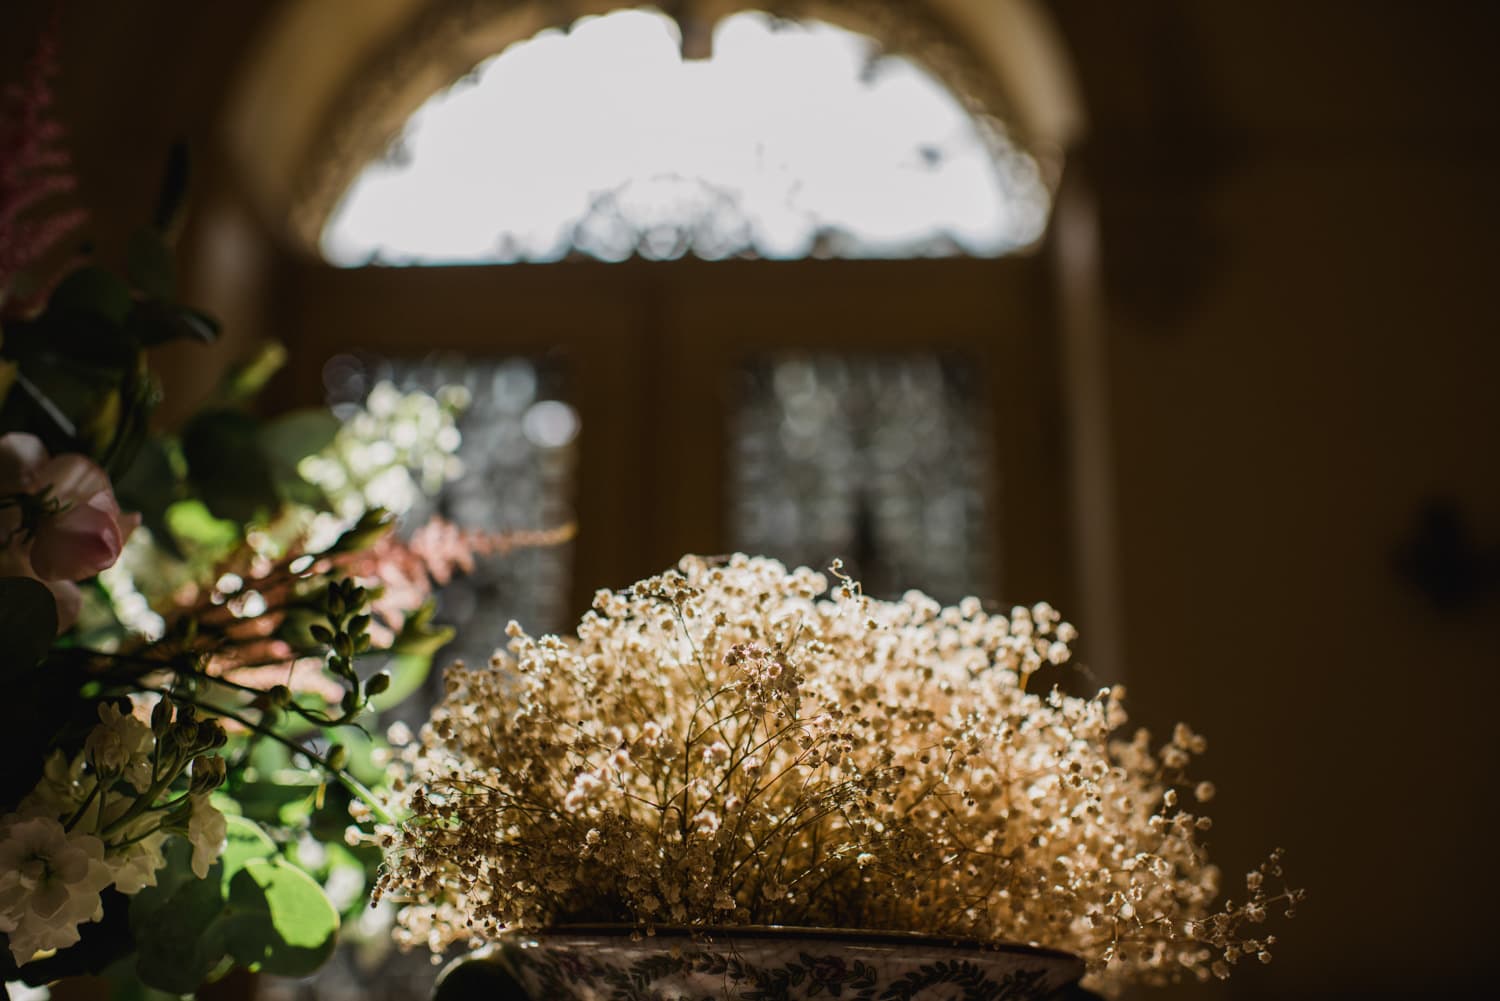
518 453
881 461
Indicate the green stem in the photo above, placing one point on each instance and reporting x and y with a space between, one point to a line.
83 808
351 783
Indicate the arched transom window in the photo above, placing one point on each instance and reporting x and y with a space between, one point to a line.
792 139
817 392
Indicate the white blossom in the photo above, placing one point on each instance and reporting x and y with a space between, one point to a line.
134 865
207 831
50 881
121 745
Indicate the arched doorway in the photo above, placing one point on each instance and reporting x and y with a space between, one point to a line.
680 370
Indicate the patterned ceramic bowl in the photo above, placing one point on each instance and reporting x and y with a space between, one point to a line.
604 963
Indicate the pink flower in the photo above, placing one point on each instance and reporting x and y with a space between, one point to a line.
79 531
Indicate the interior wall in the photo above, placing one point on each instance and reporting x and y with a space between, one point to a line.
134 80
1297 210
1297 206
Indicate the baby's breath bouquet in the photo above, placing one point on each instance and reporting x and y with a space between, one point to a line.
724 745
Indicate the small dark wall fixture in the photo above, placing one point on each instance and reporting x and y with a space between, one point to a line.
1441 559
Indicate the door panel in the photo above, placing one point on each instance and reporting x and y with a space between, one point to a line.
652 351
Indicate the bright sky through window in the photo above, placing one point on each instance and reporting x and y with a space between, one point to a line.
795 139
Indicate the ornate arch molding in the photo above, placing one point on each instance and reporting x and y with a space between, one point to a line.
377 61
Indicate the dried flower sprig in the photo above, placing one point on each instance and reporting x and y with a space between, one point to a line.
717 746
34 168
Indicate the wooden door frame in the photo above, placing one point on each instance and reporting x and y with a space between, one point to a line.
647 346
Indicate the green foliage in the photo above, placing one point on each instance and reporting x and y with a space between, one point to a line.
93 292
226 466
28 624
418 636
255 908
28 621
86 385
287 440
149 264
280 921
246 380
150 486
76 375
243 840
195 528
407 673
175 923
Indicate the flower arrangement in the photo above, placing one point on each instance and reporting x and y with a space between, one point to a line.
195 626
721 745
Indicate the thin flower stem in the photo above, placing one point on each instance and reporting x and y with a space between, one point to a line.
351 783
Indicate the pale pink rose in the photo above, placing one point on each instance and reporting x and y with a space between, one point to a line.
82 536
86 536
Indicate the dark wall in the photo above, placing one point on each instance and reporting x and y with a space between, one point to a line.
1298 208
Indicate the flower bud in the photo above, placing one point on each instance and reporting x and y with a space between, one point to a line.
378 684
161 716
338 756
184 733
208 774
211 734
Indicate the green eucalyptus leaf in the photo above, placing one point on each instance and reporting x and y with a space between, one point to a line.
267 801
139 395
227 466
288 440
28 622
421 640
95 291
280 920
249 378
193 524
156 321
178 923
150 485
198 324
299 434
148 264
244 840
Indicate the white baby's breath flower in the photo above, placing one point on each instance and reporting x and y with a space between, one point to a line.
717 744
586 787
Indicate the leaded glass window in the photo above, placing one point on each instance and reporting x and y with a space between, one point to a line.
882 461
518 457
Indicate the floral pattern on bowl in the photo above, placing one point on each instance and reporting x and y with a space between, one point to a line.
604 963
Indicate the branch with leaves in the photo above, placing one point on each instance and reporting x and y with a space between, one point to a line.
197 628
